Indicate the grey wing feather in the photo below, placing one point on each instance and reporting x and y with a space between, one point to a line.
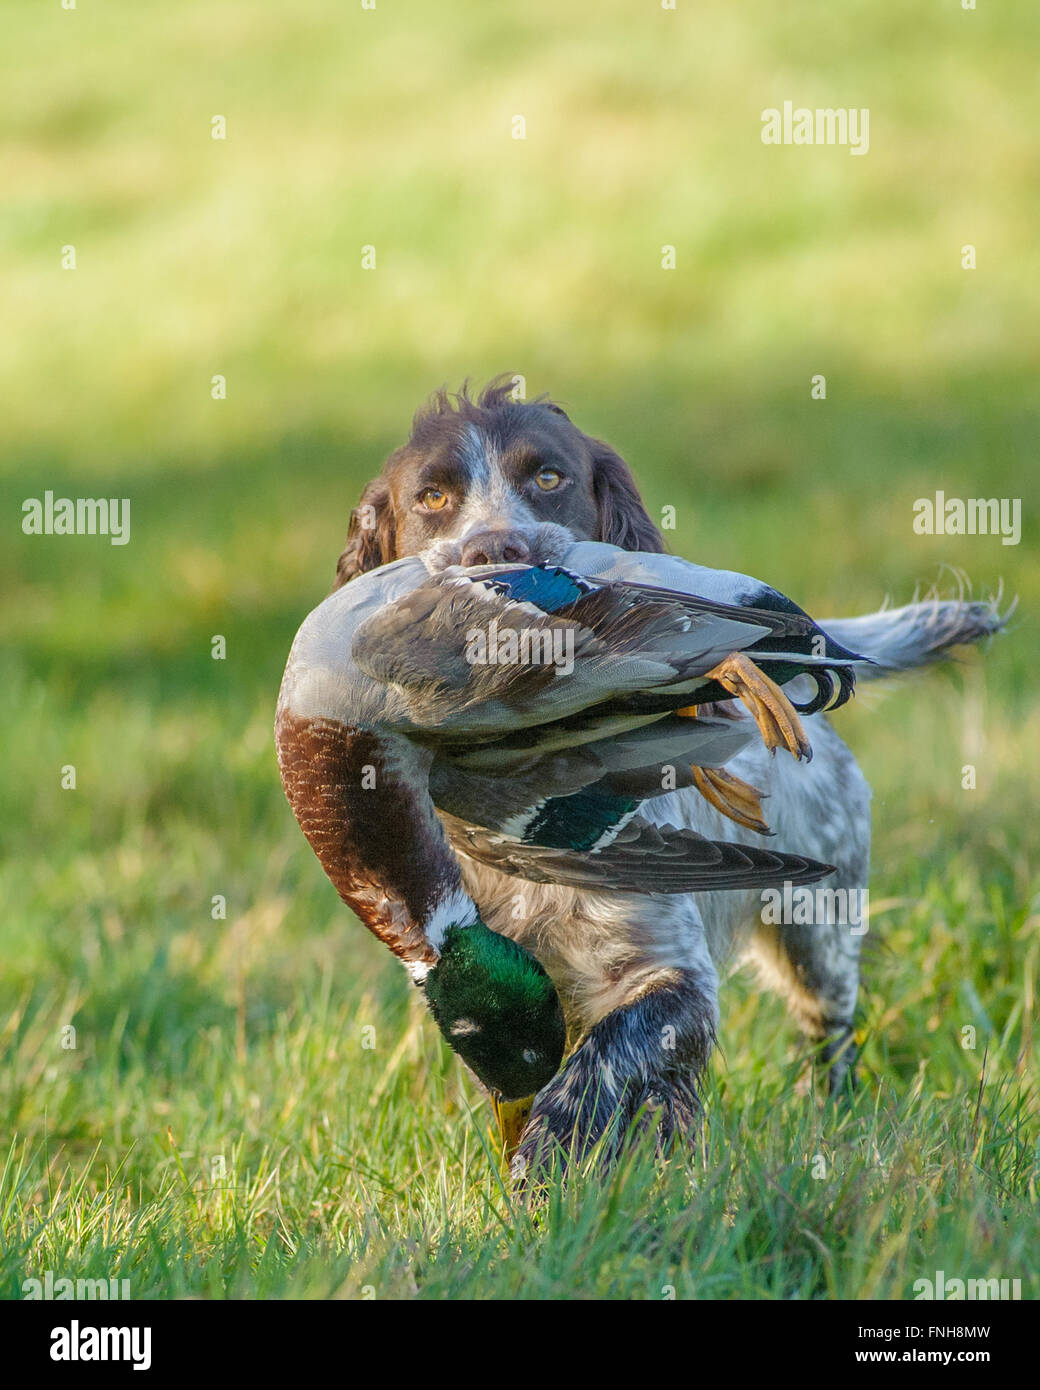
643 858
493 782
421 645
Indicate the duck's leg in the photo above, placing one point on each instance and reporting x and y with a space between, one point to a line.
732 796
634 1070
770 708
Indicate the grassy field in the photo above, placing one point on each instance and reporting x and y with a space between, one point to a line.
220 1127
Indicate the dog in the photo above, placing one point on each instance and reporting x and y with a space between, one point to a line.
496 480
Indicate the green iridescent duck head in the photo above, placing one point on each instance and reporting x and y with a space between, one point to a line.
499 1010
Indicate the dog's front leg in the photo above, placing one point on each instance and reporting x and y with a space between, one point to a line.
635 1069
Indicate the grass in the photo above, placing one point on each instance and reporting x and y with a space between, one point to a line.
225 1126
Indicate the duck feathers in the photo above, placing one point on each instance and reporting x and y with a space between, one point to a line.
641 858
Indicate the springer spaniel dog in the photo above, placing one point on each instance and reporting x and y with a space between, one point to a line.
496 480
492 481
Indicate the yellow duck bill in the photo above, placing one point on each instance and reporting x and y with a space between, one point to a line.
511 1115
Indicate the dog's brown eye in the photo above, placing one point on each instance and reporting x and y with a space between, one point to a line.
547 479
433 499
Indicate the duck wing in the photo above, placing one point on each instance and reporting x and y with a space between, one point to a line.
797 646
548 786
487 651
641 858
488 654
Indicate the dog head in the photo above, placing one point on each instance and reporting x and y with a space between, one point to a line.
494 480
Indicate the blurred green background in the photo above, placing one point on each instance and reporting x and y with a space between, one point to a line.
243 257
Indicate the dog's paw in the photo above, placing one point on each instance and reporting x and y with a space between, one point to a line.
584 1112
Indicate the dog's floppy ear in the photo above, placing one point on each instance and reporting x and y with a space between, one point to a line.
370 539
623 520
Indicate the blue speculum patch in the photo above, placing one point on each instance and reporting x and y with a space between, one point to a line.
547 587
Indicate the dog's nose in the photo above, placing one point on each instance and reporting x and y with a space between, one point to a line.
496 548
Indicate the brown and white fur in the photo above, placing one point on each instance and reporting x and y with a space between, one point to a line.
638 975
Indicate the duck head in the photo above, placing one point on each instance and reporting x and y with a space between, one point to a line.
497 1007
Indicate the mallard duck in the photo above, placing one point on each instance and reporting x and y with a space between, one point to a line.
519 717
